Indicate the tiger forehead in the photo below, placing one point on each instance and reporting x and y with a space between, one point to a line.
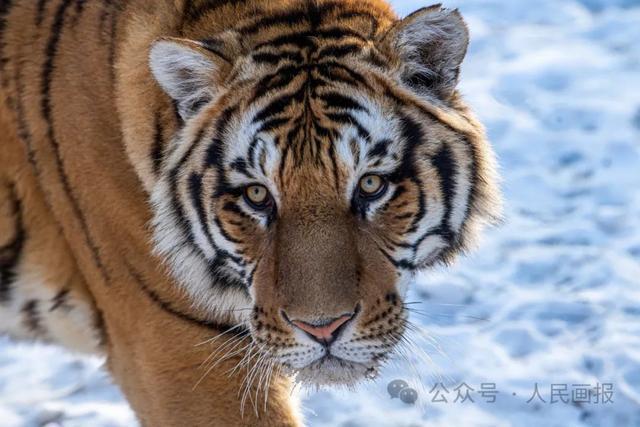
305 24
313 138
295 68
273 44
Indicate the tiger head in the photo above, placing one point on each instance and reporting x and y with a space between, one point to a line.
324 158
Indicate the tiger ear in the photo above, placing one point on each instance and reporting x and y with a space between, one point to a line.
431 44
188 71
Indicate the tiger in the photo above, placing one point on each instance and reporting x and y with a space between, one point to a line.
228 198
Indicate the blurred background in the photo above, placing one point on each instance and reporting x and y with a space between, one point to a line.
549 303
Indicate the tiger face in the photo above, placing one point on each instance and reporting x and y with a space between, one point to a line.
324 158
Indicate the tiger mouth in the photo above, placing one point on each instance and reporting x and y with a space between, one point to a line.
333 370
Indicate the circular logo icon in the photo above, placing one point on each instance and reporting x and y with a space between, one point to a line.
408 396
395 387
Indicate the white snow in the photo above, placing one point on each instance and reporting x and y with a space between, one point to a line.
552 296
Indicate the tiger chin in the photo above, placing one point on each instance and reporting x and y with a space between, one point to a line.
264 177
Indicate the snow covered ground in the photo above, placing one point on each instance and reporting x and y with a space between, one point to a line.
552 297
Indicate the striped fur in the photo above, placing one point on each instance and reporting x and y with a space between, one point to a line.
136 128
313 100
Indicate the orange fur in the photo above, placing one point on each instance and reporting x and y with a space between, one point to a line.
87 137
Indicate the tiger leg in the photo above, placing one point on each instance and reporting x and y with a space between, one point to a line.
42 294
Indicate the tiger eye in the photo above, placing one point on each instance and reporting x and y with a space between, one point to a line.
257 195
372 186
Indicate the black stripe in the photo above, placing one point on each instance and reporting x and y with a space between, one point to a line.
219 270
399 191
402 264
339 33
350 15
380 149
175 107
475 178
100 326
272 124
334 166
444 162
325 132
60 300
293 135
79 9
376 59
444 233
226 256
337 100
275 58
166 306
413 136
349 119
283 163
214 153
314 13
240 165
280 78
112 41
300 40
252 273
40 9
279 104
404 216
195 194
339 51
216 47
235 209
215 150
5 8
176 203
46 109
291 18
307 39
107 30
251 152
422 208
31 317
227 236
329 68
11 252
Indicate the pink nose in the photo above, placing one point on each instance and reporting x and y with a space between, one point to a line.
324 332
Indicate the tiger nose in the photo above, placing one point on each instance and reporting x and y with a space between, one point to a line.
324 331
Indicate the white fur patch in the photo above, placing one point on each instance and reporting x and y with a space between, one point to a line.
70 325
184 73
187 264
